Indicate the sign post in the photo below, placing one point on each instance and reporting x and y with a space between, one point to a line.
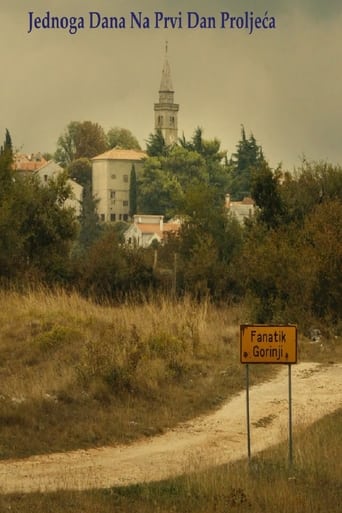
261 343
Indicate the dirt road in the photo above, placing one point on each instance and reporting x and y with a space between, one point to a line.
204 441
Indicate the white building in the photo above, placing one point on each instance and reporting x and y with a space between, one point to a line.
111 173
240 209
147 229
51 170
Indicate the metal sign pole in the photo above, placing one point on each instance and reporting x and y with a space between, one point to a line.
247 406
290 419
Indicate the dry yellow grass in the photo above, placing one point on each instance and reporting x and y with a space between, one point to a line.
75 373
60 363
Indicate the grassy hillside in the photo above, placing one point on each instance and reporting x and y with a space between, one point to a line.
75 374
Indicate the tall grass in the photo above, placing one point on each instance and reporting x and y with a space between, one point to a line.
76 374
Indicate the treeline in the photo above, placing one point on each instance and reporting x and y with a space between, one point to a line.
285 261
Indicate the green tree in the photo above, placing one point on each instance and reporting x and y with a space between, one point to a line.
133 192
158 190
208 243
123 138
80 140
156 145
6 160
277 272
90 227
247 159
80 170
217 169
311 184
322 233
36 230
8 146
111 270
187 166
265 190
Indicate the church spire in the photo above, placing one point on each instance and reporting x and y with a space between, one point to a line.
166 111
166 82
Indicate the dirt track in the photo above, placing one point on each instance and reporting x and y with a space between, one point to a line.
204 441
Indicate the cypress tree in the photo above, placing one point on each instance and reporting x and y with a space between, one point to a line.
133 192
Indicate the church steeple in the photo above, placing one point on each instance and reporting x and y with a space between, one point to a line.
166 111
166 82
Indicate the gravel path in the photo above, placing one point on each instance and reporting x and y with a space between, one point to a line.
204 441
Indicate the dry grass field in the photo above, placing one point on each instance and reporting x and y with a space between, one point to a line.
75 375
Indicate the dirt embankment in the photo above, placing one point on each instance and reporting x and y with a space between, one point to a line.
208 440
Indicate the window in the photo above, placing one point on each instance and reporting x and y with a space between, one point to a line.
125 217
172 121
112 194
125 203
113 177
102 217
125 178
160 121
112 217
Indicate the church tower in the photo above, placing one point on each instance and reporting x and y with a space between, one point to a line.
166 111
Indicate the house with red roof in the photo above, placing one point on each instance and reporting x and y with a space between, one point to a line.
148 229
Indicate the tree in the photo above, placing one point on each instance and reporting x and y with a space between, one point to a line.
208 242
36 230
265 190
8 147
311 184
247 159
217 169
277 271
170 174
156 145
90 227
159 190
322 232
80 170
111 270
186 165
6 160
80 140
123 138
133 192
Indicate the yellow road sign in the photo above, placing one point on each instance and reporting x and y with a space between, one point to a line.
261 343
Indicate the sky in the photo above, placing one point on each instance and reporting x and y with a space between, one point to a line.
282 84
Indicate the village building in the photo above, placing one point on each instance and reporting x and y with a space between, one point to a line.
147 230
49 171
111 173
242 210
26 163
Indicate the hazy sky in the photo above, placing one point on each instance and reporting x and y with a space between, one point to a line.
282 84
